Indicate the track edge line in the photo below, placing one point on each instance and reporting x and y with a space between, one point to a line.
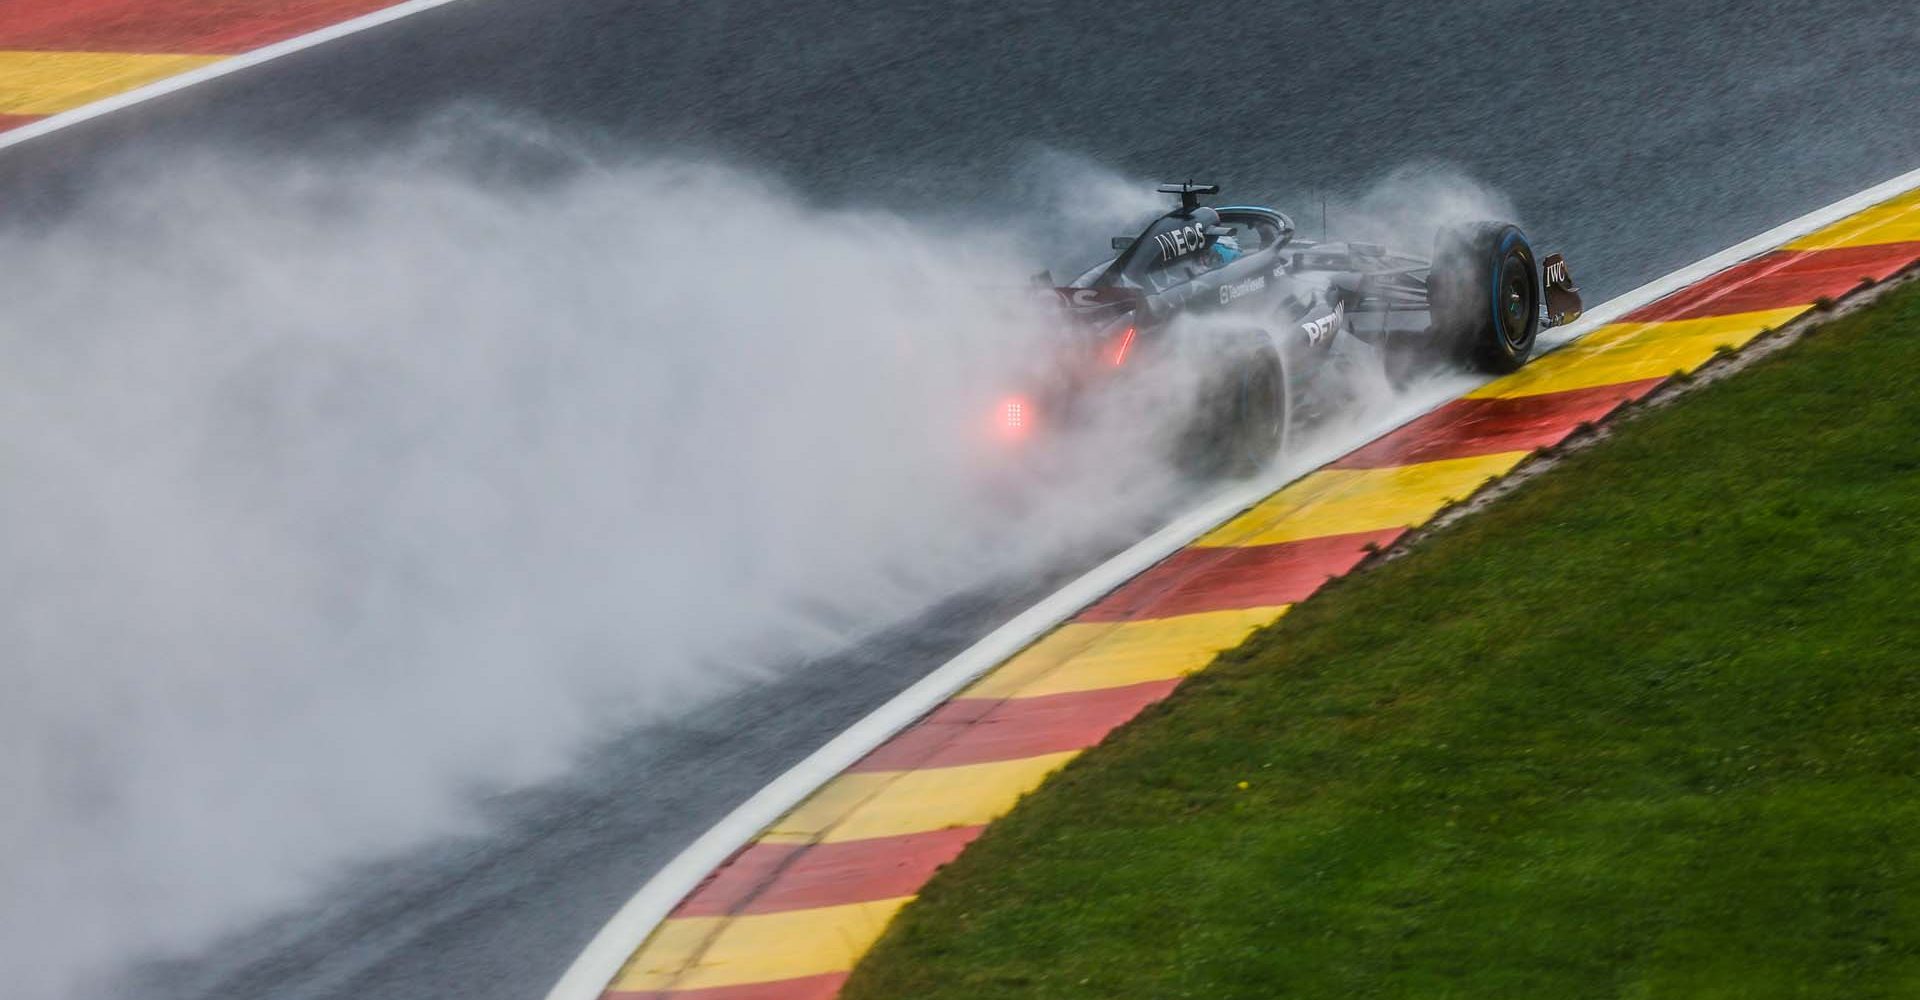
214 70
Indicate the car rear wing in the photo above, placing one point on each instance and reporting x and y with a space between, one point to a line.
1099 304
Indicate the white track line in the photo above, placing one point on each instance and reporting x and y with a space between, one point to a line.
1619 306
596 966
214 70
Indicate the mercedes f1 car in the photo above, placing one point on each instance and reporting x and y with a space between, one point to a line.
1276 306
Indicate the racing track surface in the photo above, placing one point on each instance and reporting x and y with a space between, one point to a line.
1641 137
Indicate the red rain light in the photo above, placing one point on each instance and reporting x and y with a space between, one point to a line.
1015 417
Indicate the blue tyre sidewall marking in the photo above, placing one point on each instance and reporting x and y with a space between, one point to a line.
1499 265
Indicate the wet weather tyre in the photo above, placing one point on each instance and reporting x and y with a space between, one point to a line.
1245 413
1484 293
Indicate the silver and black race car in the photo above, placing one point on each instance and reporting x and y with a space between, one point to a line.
1277 306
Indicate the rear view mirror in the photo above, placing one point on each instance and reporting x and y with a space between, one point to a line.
1122 242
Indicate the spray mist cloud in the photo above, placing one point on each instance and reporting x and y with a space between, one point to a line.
333 495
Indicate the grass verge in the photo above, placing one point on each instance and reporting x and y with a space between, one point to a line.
1648 727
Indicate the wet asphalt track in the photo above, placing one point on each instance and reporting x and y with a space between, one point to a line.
1641 137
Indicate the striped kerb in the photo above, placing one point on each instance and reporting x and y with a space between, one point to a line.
58 55
789 916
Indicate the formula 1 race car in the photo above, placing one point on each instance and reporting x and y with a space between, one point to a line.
1275 307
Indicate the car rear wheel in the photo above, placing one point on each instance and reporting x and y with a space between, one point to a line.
1245 412
1484 293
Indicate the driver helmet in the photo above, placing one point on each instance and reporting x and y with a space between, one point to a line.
1226 248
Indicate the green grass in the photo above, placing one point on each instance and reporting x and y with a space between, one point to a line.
1648 728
